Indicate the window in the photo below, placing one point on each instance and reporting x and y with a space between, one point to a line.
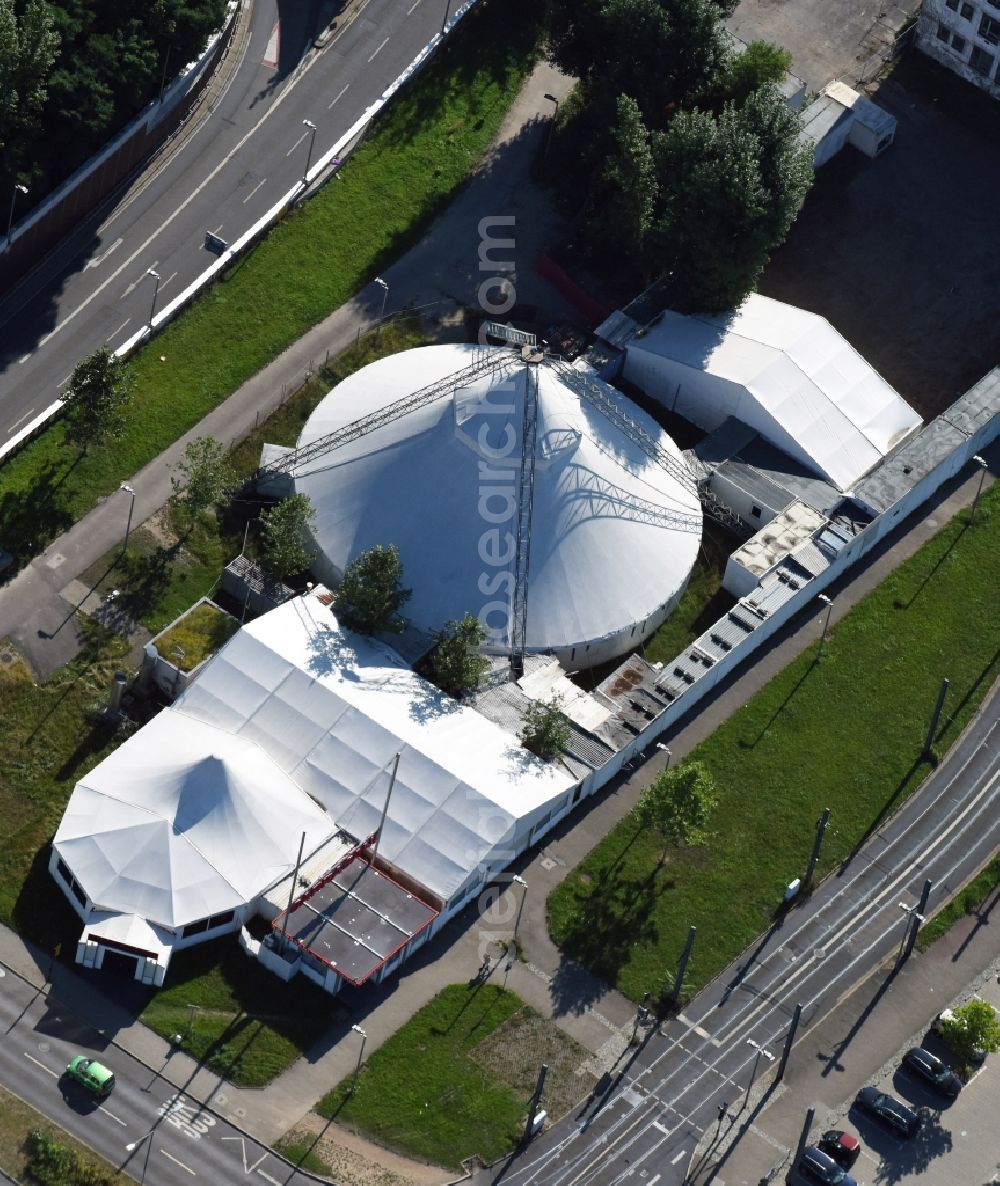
958 44
989 30
967 12
952 4
943 33
220 920
756 512
195 928
981 61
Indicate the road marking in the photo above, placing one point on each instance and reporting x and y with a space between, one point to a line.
115 1118
12 428
99 259
47 1070
115 332
247 1169
267 1178
180 1163
379 50
298 142
415 4
135 284
24 358
254 190
343 91
674 1160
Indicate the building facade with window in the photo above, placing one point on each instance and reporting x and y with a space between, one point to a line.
963 35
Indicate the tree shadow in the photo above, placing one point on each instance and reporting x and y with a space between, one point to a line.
982 917
903 1160
611 918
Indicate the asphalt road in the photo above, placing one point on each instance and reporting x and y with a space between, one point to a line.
178 1142
693 1077
240 160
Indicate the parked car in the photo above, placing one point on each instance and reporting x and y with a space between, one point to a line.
897 1117
817 1166
841 1146
978 1056
92 1075
938 1077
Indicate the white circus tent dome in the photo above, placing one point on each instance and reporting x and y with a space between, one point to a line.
614 532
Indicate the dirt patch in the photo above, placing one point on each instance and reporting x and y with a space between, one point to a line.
355 1161
513 1052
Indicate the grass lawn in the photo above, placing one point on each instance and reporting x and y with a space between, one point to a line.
17 1120
424 1094
980 893
197 635
248 1025
844 733
409 166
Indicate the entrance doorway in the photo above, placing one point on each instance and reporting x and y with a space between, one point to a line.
119 964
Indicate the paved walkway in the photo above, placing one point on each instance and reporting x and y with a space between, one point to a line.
35 613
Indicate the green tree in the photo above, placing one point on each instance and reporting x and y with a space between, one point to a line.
627 198
285 537
972 1028
456 665
98 396
544 729
757 65
730 187
203 476
28 49
371 593
678 804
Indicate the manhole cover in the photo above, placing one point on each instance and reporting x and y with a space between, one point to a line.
43 1046
547 863
221 1099
241 1112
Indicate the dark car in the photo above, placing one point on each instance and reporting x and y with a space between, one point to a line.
933 1072
816 1166
841 1146
897 1117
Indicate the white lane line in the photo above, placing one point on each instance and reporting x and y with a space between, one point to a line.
267 1178
180 1163
64 380
24 358
343 91
115 1118
254 190
47 1070
297 142
114 334
99 259
415 4
677 1158
29 412
164 283
379 50
135 284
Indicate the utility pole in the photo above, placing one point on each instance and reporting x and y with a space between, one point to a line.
917 915
291 893
385 805
535 1101
761 1050
935 718
361 1054
789 1039
804 1134
817 844
682 964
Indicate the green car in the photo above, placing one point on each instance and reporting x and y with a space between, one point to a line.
92 1075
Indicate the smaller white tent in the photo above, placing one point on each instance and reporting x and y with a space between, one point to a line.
785 372
183 822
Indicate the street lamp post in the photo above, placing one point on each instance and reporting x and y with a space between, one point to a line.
981 462
385 296
131 1147
156 289
665 749
308 123
361 1054
447 13
826 621
18 189
519 880
555 116
131 507
180 655
753 1073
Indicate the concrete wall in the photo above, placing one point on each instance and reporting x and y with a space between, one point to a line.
952 34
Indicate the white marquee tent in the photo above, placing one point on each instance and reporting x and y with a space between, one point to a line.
784 371
614 535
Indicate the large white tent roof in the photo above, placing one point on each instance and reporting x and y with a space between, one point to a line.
184 821
332 708
784 371
614 535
